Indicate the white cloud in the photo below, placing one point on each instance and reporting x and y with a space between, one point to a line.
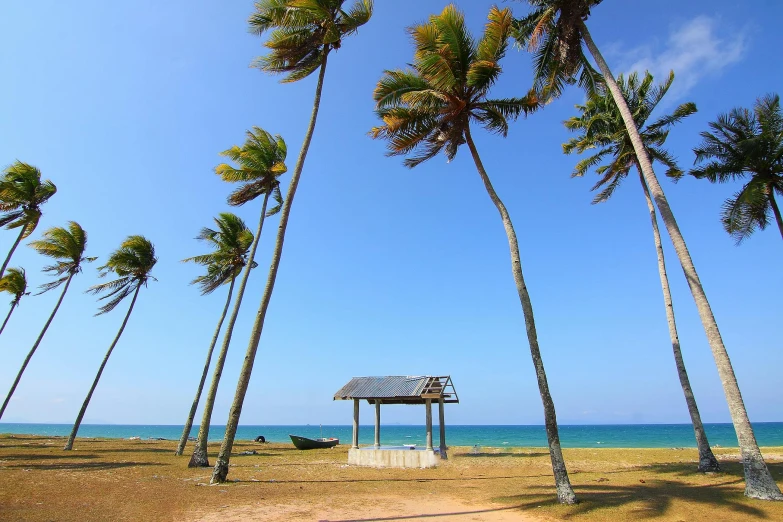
693 50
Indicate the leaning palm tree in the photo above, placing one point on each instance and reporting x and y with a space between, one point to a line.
66 246
230 243
304 33
15 283
132 262
601 127
429 109
746 143
555 31
22 193
260 162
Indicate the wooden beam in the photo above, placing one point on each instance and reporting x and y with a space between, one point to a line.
355 441
428 407
441 416
377 424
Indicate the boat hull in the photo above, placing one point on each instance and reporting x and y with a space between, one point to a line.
303 443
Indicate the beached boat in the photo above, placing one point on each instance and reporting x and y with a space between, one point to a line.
303 443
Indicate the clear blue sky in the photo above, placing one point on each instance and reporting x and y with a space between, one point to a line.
125 106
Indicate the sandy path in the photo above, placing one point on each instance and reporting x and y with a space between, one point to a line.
366 509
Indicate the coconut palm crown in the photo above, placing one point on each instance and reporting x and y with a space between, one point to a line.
261 161
746 143
132 262
22 193
427 109
230 242
14 282
601 127
66 246
552 32
304 32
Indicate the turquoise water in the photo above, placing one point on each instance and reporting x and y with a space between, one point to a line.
594 436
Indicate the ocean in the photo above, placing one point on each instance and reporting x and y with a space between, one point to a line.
571 436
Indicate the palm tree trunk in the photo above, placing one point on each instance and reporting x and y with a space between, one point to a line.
775 210
200 458
7 317
758 481
11 252
220 472
35 346
192 414
72 437
707 460
565 493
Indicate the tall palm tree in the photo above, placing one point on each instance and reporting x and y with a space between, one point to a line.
22 193
304 33
260 162
132 263
15 283
555 31
746 143
66 246
601 127
230 243
429 109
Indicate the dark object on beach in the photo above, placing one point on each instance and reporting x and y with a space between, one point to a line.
260 438
304 443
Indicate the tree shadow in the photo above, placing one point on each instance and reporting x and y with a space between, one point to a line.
85 466
133 450
388 479
729 468
654 496
496 455
47 456
446 516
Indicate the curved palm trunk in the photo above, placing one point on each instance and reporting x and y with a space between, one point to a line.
775 210
565 493
220 472
35 346
72 437
7 317
758 481
200 458
707 461
11 252
192 414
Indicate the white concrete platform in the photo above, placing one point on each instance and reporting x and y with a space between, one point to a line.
393 457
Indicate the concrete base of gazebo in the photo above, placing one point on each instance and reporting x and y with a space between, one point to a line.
393 457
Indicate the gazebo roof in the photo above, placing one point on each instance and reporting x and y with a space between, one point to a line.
399 389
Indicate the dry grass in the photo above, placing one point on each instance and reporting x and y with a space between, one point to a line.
143 480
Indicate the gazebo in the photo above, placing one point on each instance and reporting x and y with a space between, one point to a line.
397 389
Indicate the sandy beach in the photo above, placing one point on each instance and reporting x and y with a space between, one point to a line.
109 479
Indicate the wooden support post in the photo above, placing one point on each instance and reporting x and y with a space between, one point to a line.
442 426
428 406
377 424
355 442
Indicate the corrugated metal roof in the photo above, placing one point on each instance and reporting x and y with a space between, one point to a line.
395 388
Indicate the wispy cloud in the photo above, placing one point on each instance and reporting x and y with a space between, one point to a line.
693 50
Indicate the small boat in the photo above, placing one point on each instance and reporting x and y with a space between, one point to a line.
303 443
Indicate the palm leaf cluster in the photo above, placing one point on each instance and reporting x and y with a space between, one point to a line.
22 192
230 243
261 161
66 246
601 127
426 109
14 282
551 32
303 32
745 143
132 262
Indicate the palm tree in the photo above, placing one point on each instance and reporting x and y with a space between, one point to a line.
261 161
15 283
66 246
304 33
429 109
746 143
601 127
22 193
230 242
555 31
132 263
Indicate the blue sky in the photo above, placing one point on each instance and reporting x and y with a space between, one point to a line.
125 106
